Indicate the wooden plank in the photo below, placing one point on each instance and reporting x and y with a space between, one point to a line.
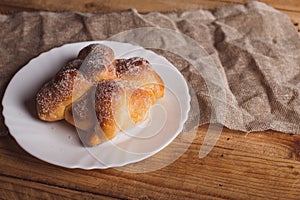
295 18
142 6
257 165
13 9
14 188
108 6
288 5
291 7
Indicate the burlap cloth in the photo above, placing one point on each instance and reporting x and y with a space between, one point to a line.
254 47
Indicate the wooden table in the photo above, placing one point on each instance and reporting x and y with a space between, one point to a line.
261 165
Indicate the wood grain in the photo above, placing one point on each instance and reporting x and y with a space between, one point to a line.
290 7
16 188
261 165
142 6
241 166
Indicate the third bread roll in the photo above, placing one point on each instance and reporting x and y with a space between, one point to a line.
115 107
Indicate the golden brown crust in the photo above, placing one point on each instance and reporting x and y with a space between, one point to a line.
98 49
67 86
81 113
96 68
139 104
72 81
109 98
72 64
97 62
139 71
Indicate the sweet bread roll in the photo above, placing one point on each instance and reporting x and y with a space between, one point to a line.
117 107
74 80
139 72
54 96
99 49
97 62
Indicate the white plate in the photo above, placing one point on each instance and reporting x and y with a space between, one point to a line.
58 142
